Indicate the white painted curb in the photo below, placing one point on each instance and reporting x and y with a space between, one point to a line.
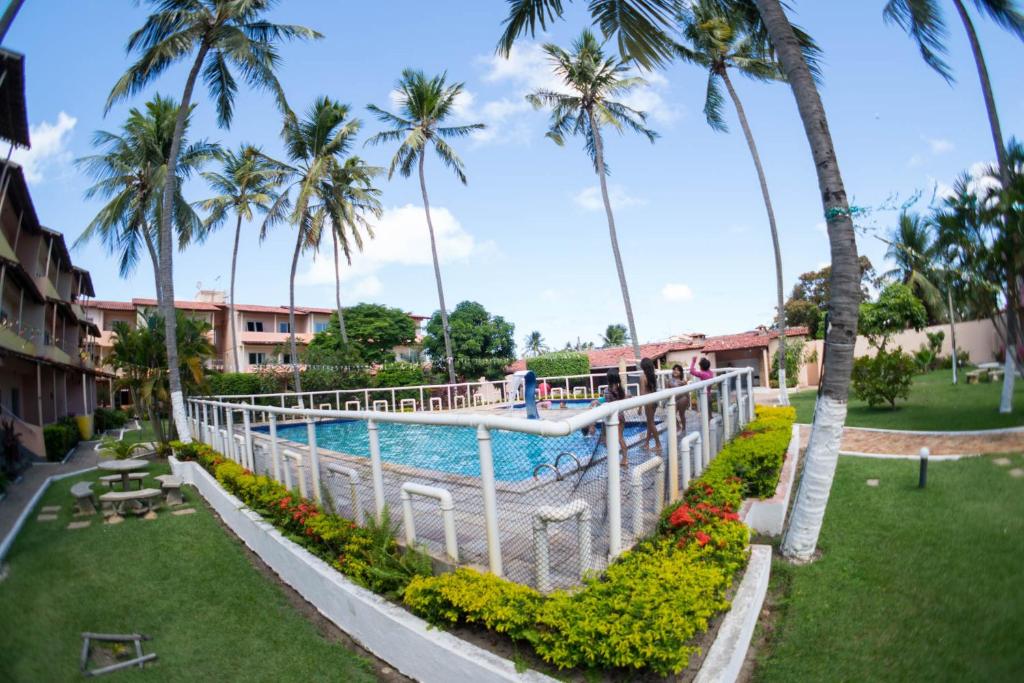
894 456
400 638
769 516
726 655
13 533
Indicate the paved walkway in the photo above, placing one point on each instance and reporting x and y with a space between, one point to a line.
858 440
19 494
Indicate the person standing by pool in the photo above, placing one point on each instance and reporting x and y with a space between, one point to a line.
649 385
703 373
678 379
616 392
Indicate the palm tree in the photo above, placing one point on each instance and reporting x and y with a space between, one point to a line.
129 172
331 192
912 251
533 344
224 36
592 79
615 335
425 104
246 184
923 21
822 454
719 40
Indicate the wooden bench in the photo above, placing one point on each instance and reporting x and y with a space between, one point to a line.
171 487
111 479
85 504
974 377
114 503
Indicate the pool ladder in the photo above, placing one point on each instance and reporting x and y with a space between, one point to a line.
554 468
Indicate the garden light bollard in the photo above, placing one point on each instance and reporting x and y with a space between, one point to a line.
922 477
705 436
614 489
275 454
376 469
483 438
314 461
672 434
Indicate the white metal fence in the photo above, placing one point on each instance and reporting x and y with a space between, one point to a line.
540 502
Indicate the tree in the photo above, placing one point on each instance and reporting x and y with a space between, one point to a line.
923 21
533 344
615 334
425 104
373 330
592 79
912 252
129 172
483 342
813 289
822 452
330 193
897 309
224 36
718 40
246 184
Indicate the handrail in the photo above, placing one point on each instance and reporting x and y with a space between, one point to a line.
556 427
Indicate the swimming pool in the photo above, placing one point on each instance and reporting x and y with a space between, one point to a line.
449 449
555 403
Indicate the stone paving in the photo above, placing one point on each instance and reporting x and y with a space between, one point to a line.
910 443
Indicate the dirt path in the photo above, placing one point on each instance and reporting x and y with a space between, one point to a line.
859 440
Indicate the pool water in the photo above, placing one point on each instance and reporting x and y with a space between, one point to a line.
556 403
450 449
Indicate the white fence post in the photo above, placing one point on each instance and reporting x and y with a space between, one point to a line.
705 427
689 445
614 487
250 457
229 446
333 469
541 518
750 395
672 433
275 455
637 492
483 437
205 432
314 459
447 505
216 431
377 469
726 416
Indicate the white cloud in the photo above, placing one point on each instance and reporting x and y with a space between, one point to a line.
49 147
590 199
939 145
400 239
675 291
980 181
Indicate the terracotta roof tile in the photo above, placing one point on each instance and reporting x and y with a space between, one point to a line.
110 305
184 305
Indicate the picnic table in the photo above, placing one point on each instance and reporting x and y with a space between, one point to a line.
124 468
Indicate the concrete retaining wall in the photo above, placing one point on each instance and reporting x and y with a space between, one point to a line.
769 516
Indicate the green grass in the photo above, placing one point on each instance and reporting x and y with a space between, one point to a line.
935 404
912 585
144 435
183 580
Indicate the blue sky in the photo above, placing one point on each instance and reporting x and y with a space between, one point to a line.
527 236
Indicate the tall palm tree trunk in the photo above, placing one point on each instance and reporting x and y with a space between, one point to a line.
231 303
165 244
156 264
822 452
599 155
337 291
437 276
1012 298
291 317
780 297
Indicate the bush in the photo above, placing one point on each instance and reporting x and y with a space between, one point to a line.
228 383
400 375
559 363
109 418
883 378
794 352
946 362
60 437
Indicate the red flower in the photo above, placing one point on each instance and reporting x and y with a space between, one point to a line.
681 516
702 538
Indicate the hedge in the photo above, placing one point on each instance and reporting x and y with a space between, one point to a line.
559 363
60 437
109 418
228 383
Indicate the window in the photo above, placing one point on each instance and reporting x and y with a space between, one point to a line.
108 324
286 358
253 325
15 402
319 327
257 358
283 327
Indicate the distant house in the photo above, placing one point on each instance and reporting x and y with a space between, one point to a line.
753 349
264 332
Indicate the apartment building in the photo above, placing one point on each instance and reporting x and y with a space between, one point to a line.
47 364
264 332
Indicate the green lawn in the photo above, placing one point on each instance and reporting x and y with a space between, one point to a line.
183 580
912 585
935 404
144 435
